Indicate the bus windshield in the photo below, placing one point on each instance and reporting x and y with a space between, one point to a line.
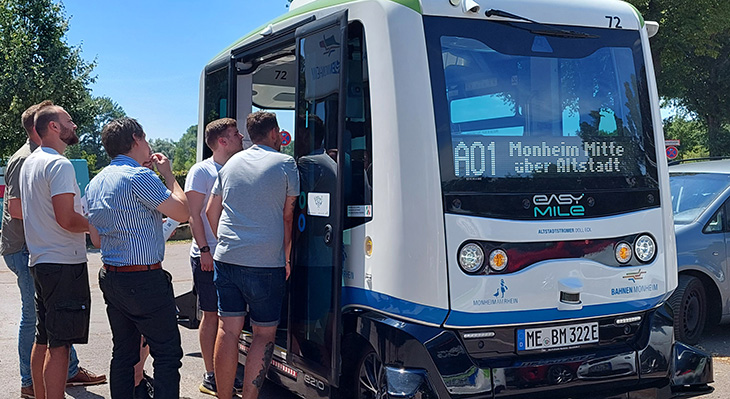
521 113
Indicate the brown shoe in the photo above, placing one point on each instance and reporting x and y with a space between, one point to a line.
27 392
85 377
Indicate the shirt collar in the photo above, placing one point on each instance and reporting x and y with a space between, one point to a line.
49 150
263 147
32 145
125 160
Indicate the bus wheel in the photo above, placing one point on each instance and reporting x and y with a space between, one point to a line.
689 304
364 376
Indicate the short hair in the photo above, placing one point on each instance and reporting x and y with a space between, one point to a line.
28 116
259 124
44 116
118 135
216 128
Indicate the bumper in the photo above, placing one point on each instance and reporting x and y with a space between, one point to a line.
648 365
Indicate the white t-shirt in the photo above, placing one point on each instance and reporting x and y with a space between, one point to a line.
201 178
44 175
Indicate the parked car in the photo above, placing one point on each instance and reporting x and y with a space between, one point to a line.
701 210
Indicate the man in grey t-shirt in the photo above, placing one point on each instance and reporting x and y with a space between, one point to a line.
251 212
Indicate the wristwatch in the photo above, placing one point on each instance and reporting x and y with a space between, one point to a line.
204 249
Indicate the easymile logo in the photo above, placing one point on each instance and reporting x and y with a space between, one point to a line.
558 205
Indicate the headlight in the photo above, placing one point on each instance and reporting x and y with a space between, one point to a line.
623 253
645 248
471 258
498 260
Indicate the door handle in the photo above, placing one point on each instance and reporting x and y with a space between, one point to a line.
328 234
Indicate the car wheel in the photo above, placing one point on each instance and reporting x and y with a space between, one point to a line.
689 304
559 374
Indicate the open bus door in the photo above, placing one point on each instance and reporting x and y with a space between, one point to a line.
314 301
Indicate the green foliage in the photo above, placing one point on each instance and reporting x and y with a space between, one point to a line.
691 53
90 146
38 64
185 150
690 132
164 146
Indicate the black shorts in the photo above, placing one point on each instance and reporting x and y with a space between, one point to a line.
63 303
204 287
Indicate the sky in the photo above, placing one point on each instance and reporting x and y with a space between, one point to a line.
150 53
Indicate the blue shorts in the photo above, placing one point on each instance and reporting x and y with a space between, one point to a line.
261 288
204 287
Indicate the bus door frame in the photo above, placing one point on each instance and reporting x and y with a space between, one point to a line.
314 371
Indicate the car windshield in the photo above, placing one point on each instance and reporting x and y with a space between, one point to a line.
693 192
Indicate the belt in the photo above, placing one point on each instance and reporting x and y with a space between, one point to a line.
133 268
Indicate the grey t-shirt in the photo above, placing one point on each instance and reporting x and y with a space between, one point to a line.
254 185
13 237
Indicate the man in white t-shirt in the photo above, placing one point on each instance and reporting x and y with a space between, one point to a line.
54 234
223 137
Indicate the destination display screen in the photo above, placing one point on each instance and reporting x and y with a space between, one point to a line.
490 157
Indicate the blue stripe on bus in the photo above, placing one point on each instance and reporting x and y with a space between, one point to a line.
433 315
392 305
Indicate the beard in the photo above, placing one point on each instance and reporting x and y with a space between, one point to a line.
68 136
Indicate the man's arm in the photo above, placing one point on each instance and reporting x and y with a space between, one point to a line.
15 208
94 235
213 212
196 203
176 206
66 216
288 220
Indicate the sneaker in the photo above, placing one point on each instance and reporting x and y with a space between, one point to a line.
85 377
208 384
145 389
27 392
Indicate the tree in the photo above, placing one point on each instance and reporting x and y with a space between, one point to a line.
691 55
164 146
38 64
185 150
103 109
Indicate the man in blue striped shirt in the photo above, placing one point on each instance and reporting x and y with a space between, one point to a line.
126 202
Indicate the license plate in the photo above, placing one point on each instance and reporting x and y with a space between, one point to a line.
557 337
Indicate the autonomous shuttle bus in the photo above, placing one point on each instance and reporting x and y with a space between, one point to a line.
484 208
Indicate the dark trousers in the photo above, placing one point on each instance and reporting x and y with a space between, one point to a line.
142 303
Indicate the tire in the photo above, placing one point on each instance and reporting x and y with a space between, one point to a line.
559 374
363 373
689 304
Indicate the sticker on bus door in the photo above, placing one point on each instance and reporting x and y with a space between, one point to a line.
319 204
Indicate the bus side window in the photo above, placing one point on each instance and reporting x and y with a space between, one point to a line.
357 138
216 100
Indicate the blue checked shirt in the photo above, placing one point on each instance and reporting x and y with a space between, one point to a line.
122 202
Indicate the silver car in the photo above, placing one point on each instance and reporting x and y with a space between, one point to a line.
701 210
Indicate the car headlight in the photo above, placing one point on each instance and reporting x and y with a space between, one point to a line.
498 260
623 253
645 248
471 258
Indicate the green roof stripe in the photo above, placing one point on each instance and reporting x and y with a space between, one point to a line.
415 5
641 17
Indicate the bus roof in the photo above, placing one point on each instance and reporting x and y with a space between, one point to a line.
443 7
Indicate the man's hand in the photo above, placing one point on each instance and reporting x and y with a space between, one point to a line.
206 262
163 165
288 270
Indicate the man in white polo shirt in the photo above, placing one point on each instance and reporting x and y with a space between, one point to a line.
54 233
